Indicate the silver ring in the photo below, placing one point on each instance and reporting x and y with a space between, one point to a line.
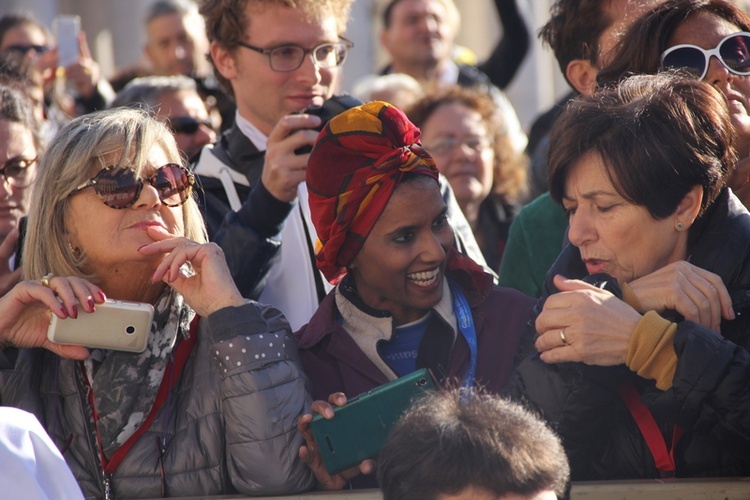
563 337
45 279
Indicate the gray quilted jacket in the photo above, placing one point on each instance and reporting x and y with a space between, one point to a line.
231 422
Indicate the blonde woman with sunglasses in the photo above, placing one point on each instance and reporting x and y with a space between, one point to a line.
113 217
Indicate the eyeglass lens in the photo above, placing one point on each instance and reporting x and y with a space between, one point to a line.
444 145
25 49
120 188
187 125
733 52
17 172
291 57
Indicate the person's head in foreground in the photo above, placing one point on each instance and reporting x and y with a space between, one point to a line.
636 166
379 215
462 444
105 179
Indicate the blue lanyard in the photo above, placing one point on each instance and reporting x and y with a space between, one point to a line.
466 327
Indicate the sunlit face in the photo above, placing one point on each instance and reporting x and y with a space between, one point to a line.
187 104
265 96
110 238
614 235
706 31
420 33
401 266
16 147
169 46
456 137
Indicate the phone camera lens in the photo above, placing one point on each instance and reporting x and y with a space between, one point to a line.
130 329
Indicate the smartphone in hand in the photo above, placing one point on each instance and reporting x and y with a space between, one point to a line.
66 30
116 325
359 429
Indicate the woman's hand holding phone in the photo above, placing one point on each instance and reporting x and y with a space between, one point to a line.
310 454
25 312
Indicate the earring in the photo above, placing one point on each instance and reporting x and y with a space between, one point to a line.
75 251
680 226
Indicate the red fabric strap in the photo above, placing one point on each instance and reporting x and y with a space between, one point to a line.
181 355
663 458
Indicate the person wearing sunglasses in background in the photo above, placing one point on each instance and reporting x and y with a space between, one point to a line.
20 146
113 216
174 100
708 39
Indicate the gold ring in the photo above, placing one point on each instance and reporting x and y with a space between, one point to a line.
46 278
563 337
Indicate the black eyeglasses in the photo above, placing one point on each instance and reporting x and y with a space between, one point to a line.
187 124
121 187
733 52
25 49
18 173
290 57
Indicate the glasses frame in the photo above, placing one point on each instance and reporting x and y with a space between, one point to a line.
29 163
25 49
188 125
348 44
93 182
707 54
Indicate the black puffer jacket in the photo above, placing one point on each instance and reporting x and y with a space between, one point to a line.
710 395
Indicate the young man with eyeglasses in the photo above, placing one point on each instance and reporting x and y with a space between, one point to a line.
174 100
276 60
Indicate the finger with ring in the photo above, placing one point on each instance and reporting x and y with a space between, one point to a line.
563 337
45 279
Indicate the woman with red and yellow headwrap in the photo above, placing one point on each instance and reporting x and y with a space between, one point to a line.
405 298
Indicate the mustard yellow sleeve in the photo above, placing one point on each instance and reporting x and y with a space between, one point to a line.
630 299
651 351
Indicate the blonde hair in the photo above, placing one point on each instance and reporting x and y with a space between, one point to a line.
121 137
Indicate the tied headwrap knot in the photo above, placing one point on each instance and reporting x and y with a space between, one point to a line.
359 159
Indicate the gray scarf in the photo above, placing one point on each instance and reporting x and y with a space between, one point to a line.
125 384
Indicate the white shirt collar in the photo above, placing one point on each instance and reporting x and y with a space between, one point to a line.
449 75
252 132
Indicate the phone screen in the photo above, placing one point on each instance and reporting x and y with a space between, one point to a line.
66 30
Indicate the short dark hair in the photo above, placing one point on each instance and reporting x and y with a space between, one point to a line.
639 50
574 29
658 136
459 438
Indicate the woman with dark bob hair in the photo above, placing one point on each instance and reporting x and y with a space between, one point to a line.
644 326
708 39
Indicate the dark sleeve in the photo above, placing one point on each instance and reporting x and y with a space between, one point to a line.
712 384
247 238
510 51
576 400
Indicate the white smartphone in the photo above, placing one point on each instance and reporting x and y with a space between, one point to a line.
66 29
117 325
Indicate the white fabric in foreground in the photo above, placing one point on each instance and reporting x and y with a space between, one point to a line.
31 465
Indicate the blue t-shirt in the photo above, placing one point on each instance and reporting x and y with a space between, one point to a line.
400 353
